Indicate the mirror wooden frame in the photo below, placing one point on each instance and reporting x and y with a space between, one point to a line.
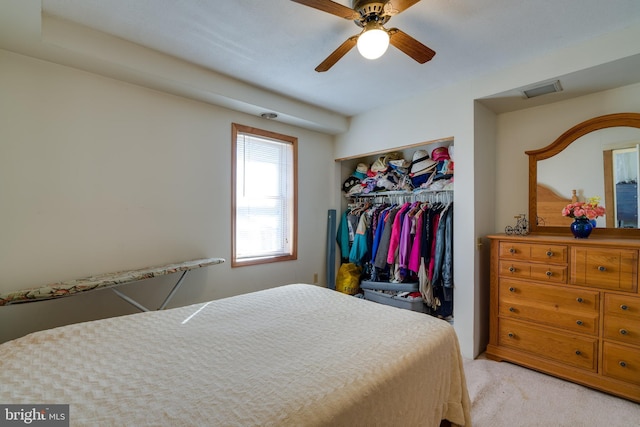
562 142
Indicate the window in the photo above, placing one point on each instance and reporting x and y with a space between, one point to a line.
264 196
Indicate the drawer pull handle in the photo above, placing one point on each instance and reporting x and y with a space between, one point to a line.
512 251
579 322
549 254
512 289
512 269
623 332
549 274
580 300
511 335
578 352
622 363
511 309
602 268
624 307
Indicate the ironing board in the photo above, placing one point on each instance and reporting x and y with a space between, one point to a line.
108 280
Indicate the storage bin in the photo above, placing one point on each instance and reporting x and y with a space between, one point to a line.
386 286
382 298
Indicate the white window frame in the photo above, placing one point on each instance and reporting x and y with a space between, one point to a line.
277 241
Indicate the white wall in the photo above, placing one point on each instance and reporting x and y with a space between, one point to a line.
485 207
99 176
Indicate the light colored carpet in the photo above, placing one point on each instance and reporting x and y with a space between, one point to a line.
506 395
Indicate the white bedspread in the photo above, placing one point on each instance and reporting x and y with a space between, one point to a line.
296 355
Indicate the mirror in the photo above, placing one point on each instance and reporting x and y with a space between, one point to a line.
596 158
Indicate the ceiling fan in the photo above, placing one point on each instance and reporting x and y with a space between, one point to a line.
374 39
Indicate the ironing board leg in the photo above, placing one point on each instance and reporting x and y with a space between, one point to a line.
173 291
164 303
130 300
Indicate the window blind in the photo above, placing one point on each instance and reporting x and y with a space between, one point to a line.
264 197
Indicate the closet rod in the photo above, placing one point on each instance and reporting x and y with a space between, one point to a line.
399 197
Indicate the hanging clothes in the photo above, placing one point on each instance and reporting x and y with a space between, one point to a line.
377 235
424 278
394 240
443 260
416 245
383 247
360 246
407 235
435 222
406 242
447 267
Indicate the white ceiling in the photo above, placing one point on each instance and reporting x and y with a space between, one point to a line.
276 44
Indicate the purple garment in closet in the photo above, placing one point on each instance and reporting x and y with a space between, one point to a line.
394 242
414 256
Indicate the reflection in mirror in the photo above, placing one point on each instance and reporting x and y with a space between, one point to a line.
625 192
580 168
596 158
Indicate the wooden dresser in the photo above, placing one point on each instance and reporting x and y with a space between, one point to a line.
568 307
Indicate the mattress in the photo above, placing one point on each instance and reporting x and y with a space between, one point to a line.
295 355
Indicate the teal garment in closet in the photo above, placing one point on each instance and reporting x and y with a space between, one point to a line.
360 247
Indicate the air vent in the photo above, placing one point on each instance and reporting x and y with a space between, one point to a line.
543 89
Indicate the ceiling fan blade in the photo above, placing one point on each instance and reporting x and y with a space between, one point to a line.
394 7
410 46
337 54
331 7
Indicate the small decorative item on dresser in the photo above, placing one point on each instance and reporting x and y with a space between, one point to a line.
521 228
583 213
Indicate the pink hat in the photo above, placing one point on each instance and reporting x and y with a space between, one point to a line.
440 153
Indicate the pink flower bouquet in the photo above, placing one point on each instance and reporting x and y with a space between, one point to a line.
586 210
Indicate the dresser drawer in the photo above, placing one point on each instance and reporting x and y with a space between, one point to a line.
533 252
621 362
622 328
605 268
565 348
525 270
561 297
571 309
622 305
547 315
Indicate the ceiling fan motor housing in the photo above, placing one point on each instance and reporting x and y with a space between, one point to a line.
370 10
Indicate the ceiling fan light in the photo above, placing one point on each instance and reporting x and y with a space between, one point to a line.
373 43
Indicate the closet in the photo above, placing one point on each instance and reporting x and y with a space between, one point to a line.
396 226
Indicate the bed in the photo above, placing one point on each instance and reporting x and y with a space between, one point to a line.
294 355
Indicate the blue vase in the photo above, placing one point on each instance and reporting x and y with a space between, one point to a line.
581 228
